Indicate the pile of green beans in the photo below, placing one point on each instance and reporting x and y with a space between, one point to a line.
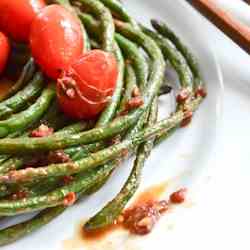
95 148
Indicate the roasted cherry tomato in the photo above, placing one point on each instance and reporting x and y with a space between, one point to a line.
56 39
4 51
87 85
16 17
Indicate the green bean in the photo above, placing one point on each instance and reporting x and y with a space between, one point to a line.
113 209
27 145
28 94
86 150
26 75
23 119
154 53
15 163
13 233
138 60
119 10
116 127
92 26
106 22
53 118
175 58
56 197
11 164
102 156
163 29
130 84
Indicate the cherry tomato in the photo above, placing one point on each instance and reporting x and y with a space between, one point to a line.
4 51
56 39
16 17
87 85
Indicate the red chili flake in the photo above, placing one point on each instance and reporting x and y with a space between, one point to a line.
182 96
136 92
19 195
134 103
178 196
187 119
58 156
42 131
69 199
200 92
141 219
68 179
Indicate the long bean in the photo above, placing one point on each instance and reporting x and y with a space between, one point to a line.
99 157
175 58
130 84
119 10
56 197
137 59
106 22
13 233
163 29
96 159
113 209
23 119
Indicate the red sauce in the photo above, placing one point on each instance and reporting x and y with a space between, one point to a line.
142 218
99 234
151 194
143 206
139 218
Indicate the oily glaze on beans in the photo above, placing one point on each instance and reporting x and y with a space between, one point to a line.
85 88
4 51
16 17
56 39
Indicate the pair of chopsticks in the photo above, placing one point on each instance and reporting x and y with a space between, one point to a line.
233 28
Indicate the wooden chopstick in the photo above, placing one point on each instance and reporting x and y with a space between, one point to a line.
247 1
233 28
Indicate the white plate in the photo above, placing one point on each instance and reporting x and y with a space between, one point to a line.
184 155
